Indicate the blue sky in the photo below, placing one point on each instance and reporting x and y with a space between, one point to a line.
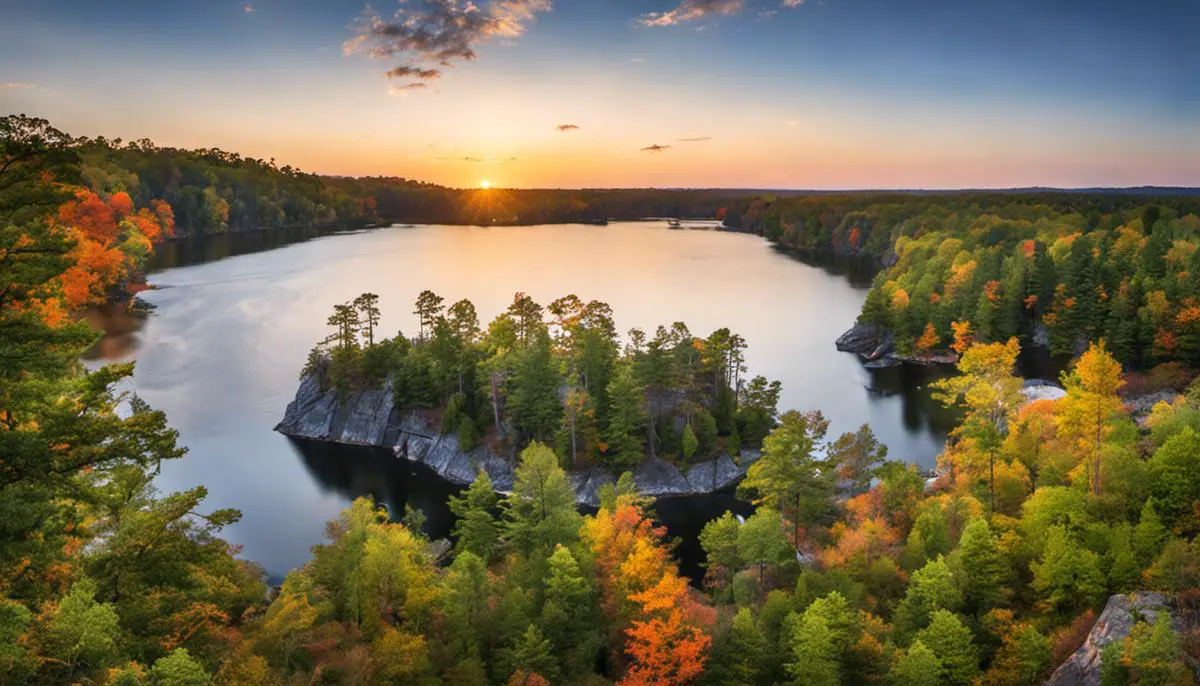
825 94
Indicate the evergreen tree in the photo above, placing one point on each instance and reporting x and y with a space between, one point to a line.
789 476
626 419
984 571
476 529
953 645
918 666
813 653
534 403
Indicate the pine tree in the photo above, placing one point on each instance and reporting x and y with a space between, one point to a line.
984 571
953 645
626 419
476 529
813 662
918 666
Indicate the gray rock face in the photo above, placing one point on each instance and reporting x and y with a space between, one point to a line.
1116 621
1036 389
370 418
862 339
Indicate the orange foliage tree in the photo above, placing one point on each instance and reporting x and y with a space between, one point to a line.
664 647
111 240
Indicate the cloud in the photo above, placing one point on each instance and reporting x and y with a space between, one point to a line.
792 3
16 86
247 8
414 72
697 139
655 148
471 159
638 60
405 88
567 127
440 32
690 10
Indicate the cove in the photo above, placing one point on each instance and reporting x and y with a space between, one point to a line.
235 315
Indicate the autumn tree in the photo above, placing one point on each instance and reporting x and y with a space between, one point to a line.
991 395
1086 413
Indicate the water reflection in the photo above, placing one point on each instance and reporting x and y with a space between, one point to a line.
230 329
358 471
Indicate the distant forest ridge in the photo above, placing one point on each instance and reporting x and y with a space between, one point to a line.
213 191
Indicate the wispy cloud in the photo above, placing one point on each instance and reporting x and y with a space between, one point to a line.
638 60
439 32
407 87
12 86
564 128
655 148
471 159
247 8
697 139
413 73
691 10
792 3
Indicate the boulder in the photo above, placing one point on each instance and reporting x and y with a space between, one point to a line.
658 478
862 339
1037 389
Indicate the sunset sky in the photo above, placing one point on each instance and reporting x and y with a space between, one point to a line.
825 94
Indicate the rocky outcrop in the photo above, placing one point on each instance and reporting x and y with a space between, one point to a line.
370 418
1116 621
863 339
1037 389
877 347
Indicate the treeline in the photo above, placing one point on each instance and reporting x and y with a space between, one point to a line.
559 375
208 190
1058 270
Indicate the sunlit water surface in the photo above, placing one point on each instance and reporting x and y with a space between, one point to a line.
236 315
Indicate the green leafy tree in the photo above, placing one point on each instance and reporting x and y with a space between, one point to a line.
789 476
1068 577
932 588
761 541
857 456
178 668
540 513
83 633
719 540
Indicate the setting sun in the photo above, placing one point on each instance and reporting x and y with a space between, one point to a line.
485 184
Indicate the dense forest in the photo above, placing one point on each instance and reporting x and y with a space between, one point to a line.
559 375
1056 269
213 191
853 569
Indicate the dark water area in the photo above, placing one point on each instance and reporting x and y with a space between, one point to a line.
234 316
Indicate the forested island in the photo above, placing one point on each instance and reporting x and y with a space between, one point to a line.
1059 542
657 405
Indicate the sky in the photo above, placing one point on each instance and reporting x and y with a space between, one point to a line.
814 94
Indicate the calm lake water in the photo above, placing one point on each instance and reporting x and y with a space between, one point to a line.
236 315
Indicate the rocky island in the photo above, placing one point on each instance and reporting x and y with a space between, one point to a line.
672 409
371 418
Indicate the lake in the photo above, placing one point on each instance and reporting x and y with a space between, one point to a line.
236 315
